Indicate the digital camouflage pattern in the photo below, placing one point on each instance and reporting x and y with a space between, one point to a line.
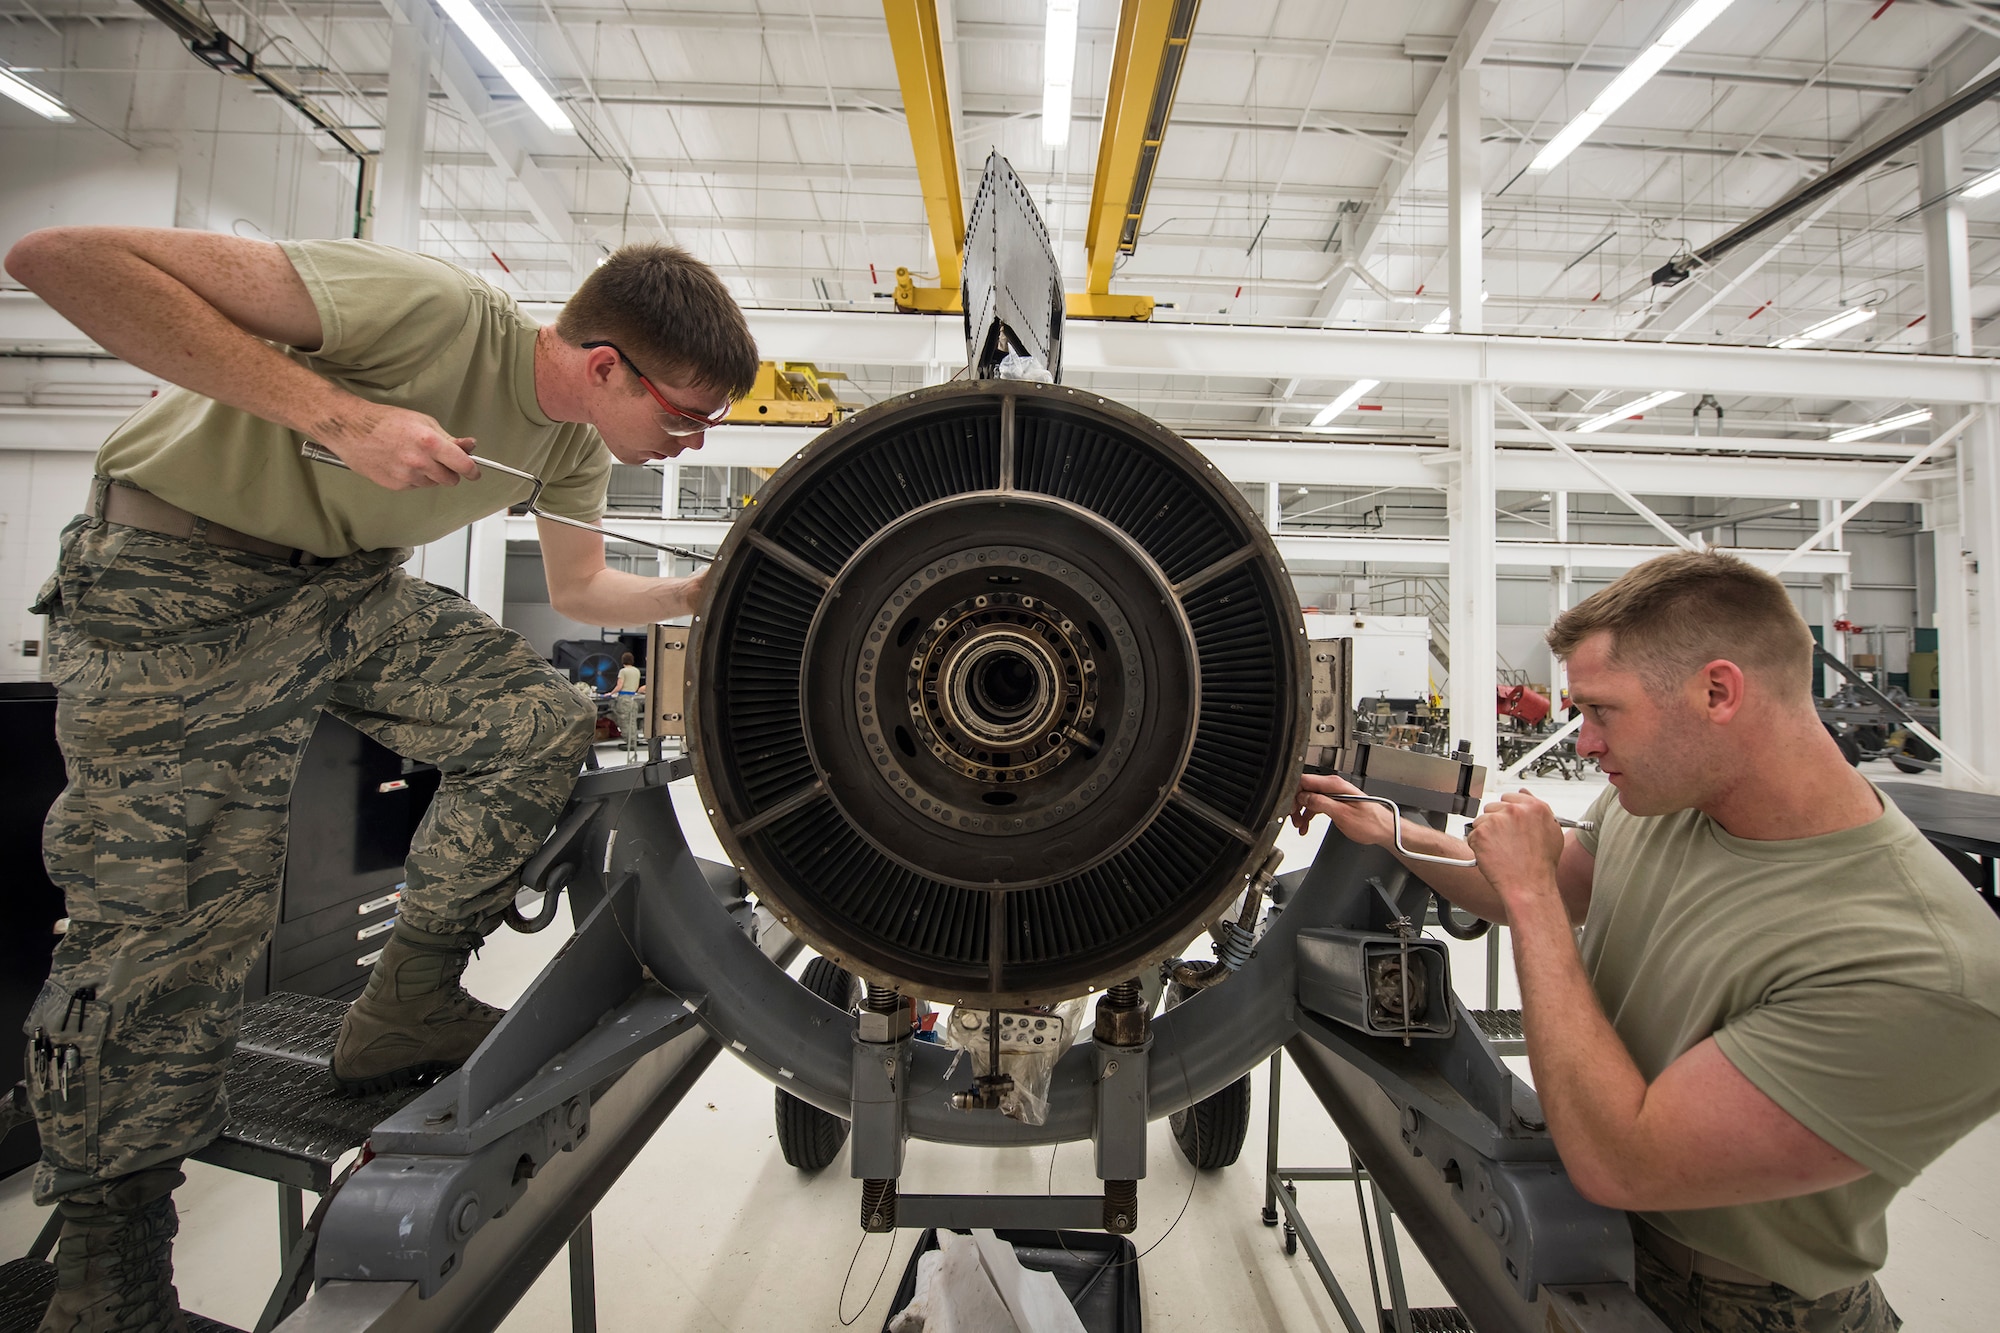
189 678
1707 1305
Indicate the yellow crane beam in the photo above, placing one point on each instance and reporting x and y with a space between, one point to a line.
1146 63
919 52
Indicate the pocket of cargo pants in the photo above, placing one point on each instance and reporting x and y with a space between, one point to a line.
124 757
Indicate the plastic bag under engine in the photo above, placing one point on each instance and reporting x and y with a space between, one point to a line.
1031 1041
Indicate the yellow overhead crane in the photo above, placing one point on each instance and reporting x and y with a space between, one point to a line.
1150 51
791 393
919 51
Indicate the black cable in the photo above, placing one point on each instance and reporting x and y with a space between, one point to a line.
1193 1177
841 1304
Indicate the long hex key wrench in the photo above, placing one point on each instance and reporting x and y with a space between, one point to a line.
1582 825
321 454
1396 824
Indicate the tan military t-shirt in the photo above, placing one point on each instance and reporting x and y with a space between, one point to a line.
1854 978
399 329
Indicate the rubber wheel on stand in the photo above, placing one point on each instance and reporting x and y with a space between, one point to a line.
1210 1133
1920 755
808 1137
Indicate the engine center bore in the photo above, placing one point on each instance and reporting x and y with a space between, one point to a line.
1002 693
1000 686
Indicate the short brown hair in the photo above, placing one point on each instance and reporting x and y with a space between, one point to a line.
1672 615
669 313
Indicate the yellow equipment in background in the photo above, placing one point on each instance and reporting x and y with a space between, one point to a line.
790 393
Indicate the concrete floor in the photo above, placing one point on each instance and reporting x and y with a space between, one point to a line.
711 1231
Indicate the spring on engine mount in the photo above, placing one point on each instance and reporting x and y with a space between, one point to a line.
878 1205
1121 1206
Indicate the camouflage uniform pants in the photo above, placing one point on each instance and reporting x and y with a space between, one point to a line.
189 678
1708 1305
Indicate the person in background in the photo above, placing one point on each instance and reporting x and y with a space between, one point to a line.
626 705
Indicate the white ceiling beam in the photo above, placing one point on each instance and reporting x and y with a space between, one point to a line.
1254 352
1302 463
511 150
1563 57
840 337
82 430
69 430
1482 23
1297 548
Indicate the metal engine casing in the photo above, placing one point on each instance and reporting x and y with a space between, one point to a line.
998 663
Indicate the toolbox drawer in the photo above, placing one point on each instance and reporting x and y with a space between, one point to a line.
355 806
299 945
339 977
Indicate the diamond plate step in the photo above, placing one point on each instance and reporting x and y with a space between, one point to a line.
27 1284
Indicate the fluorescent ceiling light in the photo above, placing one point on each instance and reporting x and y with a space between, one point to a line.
1882 427
31 97
491 45
1827 328
1983 186
1058 72
1630 80
1631 409
1345 401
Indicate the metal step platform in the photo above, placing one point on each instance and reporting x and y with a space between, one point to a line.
1503 1029
287 1122
1430 1319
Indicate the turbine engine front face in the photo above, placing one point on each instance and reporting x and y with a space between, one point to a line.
1003 693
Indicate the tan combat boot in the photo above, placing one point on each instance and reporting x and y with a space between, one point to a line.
114 1260
414 1021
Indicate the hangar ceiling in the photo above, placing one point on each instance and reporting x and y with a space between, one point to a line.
1302 180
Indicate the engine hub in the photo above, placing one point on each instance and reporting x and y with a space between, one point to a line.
1002 691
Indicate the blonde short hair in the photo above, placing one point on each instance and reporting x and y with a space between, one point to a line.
1672 615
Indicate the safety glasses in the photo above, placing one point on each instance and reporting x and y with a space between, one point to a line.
320 454
679 421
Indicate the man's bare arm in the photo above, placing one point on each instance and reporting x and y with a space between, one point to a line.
1701 1135
582 588
197 308
1463 885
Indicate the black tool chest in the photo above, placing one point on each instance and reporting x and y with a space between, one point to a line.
355 806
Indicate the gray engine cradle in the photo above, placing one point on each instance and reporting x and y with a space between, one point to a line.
669 942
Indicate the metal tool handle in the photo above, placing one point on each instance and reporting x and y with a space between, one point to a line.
681 551
1397 826
321 454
